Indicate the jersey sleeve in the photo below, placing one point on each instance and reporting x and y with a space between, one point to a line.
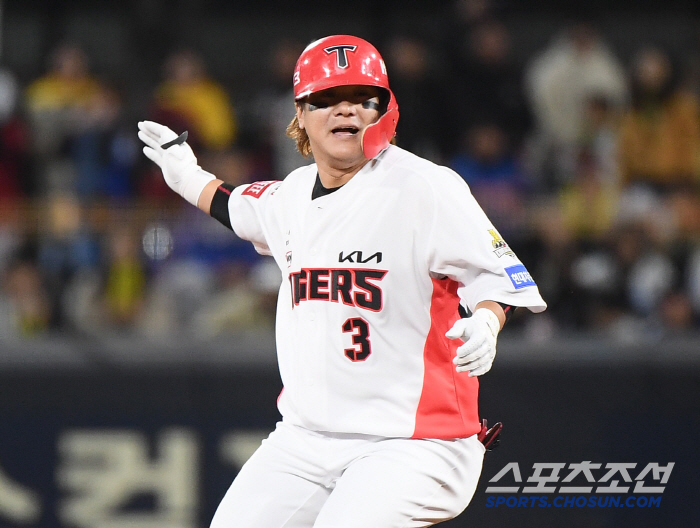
251 213
464 245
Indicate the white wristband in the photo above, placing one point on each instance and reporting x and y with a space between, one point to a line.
194 184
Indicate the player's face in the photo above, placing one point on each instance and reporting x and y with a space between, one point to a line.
334 120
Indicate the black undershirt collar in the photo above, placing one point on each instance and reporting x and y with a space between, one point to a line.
320 190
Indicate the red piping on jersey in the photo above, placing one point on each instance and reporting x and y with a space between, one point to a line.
448 405
279 397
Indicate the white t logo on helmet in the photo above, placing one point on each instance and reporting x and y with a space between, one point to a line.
341 54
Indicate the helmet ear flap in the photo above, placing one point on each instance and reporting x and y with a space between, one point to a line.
377 136
384 99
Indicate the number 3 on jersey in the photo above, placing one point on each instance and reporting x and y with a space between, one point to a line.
360 337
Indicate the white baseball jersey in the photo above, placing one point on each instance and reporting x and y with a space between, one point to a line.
373 274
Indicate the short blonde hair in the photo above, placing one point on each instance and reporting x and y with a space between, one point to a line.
302 139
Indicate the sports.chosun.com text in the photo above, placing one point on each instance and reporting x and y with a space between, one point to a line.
573 501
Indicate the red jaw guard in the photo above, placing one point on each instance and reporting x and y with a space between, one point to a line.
377 136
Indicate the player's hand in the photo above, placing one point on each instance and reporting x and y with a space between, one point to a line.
178 163
479 332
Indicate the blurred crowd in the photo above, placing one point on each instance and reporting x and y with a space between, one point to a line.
588 165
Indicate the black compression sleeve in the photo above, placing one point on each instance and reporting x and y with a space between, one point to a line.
219 204
508 310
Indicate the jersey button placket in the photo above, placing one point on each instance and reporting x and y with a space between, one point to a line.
311 370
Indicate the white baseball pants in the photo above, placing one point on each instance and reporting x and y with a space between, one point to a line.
303 479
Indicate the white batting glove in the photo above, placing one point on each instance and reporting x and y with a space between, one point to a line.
479 332
178 163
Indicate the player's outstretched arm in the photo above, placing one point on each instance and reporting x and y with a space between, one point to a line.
480 332
180 169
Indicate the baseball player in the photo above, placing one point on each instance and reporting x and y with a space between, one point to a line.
395 288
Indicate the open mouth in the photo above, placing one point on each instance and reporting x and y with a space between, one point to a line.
346 131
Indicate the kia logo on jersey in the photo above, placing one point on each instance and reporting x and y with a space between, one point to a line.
358 255
341 54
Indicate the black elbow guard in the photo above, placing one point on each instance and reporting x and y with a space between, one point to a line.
219 204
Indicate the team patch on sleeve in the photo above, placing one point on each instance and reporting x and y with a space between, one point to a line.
520 277
500 246
257 189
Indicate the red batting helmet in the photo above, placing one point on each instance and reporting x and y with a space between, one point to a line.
342 60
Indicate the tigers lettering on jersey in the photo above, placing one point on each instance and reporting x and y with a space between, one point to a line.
353 287
257 189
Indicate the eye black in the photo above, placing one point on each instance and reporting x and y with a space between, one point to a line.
317 105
